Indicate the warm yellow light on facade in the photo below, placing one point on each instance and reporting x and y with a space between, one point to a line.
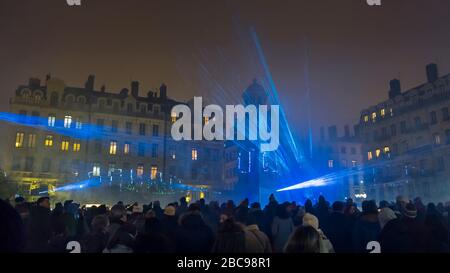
194 154
48 141
113 147
64 145
369 155
383 112
173 116
154 172
76 146
378 152
19 140
126 148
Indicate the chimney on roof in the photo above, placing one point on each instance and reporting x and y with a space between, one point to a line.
103 88
395 89
347 131
163 92
89 85
432 72
135 89
332 132
34 83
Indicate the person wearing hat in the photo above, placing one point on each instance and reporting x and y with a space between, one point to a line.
313 221
405 234
169 222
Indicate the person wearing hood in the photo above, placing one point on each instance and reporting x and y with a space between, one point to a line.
325 245
194 236
256 241
282 227
405 234
386 214
367 227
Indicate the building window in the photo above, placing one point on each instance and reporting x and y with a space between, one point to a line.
387 150
417 122
369 155
140 170
114 126
128 127
113 147
154 172
67 121
142 129
206 120
437 139
330 163
366 118
383 113
111 168
16 163
98 147
445 115
391 112
96 169
354 163
78 124
393 130
353 150
403 127
130 108
378 152
29 162
433 117
76 146
48 141
173 117
46 165
31 140
155 130
126 149
374 116
154 150
141 149
51 120
343 150
194 154
19 140
100 124
64 145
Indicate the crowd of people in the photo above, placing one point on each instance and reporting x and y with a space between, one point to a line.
341 227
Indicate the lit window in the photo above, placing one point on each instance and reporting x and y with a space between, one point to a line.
96 169
202 195
64 145
330 163
369 155
378 152
383 112
76 146
51 120
67 121
78 124
48 141
140 170
206 120
391 111
126 148
194 154
19 140
387 150
374 116
437 139
366 118
113 147
173 116
354 163
31 140
154 172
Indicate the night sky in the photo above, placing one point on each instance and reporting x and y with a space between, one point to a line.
202 47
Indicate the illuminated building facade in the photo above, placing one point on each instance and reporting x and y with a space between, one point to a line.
406 141
130 145
341 155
